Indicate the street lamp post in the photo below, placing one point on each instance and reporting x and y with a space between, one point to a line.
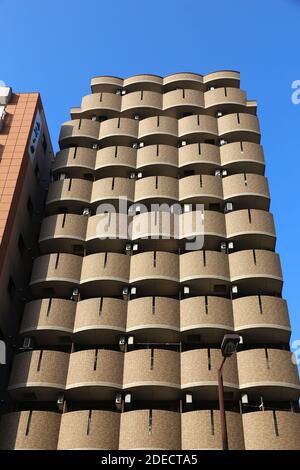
229 346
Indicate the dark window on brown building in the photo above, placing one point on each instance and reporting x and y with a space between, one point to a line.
21 244
11 288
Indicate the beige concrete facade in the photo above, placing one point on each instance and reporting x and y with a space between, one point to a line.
122 334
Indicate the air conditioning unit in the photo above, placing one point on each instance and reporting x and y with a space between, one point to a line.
219 114
135 247
228 207
118 401
244 399
211 88
234 290
139 175
75 294
224 173
223 247
125 293
217 172
86 211
183 143
135 145
188 398
186 291
60 401
223 142
27 343
136 117
127 399
62 176
132 176
95 146
132 291
131 210
128 249
94 118
123 92
118 92
122 343
230 246
187 207
141 145
130 340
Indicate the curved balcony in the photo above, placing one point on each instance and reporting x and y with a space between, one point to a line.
62 232
82 132
195 128
200 189
104 274
199 373
210 225
156 231
180 101
156 190
152 374
91 430
71 193
143 82
29 430
208 317
107 232
268 372
49 321
106 84
205 272
262 319
118 131
94 374
153 319
222 78
210 436
247 191
158 160
183 80
226 100
239 127
251 228
75 161
268 430
159 130
38 375
99 320
99 104
60 272
112 190
152 430
241 157
155 273
256 272
115 161
198 158
141 103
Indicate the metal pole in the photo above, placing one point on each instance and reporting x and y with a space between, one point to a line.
222 407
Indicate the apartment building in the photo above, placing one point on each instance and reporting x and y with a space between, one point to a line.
119 343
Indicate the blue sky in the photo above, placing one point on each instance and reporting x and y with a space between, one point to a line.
56 46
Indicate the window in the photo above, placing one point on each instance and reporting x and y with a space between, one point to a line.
11 288
30 206
37 172
21 244
44 143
